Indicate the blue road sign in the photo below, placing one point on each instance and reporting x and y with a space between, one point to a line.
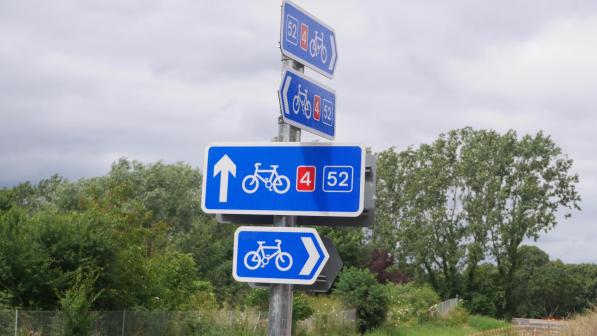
302 179
287 255
308 40
307 104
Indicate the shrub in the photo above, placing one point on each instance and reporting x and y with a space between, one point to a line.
76 304
482 304
409 303
358 288
301 309
329 317
457 316
258 298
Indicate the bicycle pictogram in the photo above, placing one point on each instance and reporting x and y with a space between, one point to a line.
270 177
258 258
316 47
301 102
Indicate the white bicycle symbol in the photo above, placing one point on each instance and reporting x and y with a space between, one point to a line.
279 183
316 47
257 258
301 101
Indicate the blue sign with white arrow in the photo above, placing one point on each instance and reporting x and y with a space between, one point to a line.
307 104
286 255
308 40
295 179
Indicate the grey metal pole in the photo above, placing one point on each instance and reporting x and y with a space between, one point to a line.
16 321
123 320
280 299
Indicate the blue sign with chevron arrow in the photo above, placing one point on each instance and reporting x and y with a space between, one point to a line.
287 255
308 104
308 40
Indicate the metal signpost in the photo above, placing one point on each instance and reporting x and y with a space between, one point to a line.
315 179
286 255
308 40
307 104
272 183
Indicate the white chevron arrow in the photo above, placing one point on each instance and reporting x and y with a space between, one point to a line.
313 256
288 79
333 58
224 167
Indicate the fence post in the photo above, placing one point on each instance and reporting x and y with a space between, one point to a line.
123 319
16 321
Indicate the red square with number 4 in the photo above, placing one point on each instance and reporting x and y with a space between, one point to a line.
316 108
304 36
305 178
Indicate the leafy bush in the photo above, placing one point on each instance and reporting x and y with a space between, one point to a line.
409 303
301 309
76 304
457 316
258 298
329 317
358 288
482 304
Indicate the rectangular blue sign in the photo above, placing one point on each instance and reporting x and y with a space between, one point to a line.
307 104
278 255
308 40
295 179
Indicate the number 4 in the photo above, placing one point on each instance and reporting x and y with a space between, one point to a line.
306 179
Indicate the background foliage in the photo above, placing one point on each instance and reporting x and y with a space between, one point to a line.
451 220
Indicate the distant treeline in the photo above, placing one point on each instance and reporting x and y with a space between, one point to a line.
137 238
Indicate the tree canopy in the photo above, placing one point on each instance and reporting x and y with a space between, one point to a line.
471 195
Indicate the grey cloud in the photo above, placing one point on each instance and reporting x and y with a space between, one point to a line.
85 82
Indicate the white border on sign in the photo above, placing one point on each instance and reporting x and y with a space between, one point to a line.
278 280
337 191
277 212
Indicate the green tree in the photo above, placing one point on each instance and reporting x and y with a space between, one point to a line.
25 277
420 194
531 182
358 288
556 291
488 296
532 260
468 196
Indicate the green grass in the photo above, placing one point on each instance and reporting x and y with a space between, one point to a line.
482 323
425 330
474 324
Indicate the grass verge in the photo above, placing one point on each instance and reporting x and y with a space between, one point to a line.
474 324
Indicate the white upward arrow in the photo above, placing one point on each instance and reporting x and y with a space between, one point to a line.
313 255
224 167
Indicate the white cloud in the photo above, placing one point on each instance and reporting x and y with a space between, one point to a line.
83 83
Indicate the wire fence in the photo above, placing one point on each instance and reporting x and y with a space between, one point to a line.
445 307
159 323
137 323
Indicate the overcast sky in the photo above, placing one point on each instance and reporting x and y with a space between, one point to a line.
83 83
